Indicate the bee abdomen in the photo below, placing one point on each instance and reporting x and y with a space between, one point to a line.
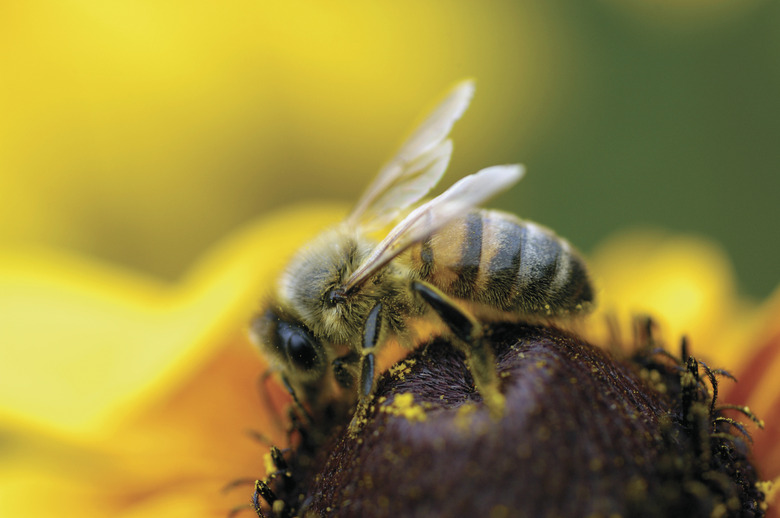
513 265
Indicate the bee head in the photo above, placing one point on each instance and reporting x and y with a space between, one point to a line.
309 288
291 345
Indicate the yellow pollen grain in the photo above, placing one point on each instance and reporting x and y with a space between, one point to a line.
403 405
401 369
769 488
268 462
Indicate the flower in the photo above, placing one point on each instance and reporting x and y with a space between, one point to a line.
123 396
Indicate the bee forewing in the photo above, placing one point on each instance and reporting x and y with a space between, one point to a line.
403 181
467 193
422 174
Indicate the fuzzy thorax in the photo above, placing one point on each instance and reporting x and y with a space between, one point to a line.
323 266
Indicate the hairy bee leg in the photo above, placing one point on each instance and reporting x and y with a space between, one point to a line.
371 332
367 376
470 339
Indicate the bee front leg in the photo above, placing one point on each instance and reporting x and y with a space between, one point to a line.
469 337
371 332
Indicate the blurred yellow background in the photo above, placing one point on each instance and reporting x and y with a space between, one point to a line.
141 132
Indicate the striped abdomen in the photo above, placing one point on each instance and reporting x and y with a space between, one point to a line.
497 259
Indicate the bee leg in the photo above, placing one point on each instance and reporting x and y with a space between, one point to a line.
370 339
470 339
296 401
371 332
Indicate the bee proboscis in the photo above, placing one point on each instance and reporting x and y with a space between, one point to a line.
344 295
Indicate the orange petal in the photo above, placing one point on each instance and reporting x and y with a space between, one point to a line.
759 389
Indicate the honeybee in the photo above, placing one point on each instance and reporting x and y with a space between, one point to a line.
344 295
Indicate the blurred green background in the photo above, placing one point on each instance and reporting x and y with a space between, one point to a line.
142 132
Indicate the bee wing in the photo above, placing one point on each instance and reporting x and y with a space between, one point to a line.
416 167
431 216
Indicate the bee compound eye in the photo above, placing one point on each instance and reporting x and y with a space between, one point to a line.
299 346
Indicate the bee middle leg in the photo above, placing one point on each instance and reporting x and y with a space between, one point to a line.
469 337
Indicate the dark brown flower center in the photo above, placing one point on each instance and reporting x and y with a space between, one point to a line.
582 435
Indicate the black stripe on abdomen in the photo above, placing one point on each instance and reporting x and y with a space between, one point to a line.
504 265
467 268
538 269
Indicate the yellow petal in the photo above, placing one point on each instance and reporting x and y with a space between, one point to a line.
686 283
86 345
